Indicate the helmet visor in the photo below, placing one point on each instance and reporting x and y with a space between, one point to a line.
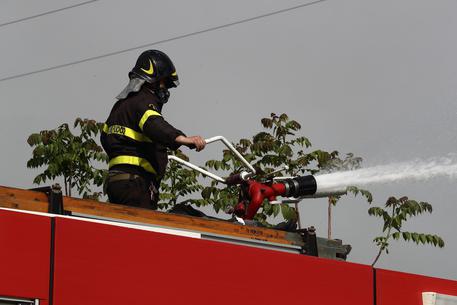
171 83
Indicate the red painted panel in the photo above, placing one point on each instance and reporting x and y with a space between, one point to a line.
24 255
103 264
395 288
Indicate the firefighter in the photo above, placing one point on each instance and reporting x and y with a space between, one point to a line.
136 136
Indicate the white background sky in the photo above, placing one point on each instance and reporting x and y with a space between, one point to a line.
376 78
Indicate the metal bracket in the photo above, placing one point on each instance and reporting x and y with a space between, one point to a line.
309 237
55 198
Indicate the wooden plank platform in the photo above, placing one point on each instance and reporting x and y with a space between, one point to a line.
38 202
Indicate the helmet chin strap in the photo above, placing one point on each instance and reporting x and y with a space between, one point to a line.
163 94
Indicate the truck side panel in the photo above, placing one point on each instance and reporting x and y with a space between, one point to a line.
25 243
105 264
395 288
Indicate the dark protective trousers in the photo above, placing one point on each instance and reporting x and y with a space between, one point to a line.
137 192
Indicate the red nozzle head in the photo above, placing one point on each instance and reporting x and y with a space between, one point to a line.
240 209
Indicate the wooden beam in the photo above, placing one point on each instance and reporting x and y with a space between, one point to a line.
36 201
175 221
14 198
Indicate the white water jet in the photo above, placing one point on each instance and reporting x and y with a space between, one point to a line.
417 170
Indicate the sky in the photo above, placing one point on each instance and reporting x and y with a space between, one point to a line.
375 78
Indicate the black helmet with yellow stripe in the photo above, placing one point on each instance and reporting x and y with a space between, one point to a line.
154 66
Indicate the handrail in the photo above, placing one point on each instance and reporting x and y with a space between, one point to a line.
207 173
232 149
197 168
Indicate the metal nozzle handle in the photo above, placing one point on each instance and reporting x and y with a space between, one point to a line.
244 175
232 149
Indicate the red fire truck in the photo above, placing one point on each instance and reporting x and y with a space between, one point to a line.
66 251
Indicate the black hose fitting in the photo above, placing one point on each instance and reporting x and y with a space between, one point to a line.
300 186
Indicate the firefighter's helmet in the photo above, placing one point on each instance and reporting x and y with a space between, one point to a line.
154 66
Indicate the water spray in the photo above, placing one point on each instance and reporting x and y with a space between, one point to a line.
417 170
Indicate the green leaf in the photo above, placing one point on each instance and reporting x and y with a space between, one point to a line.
375 211
267 123
276 209
426 207
396 223
423 238
391 201
353 190
440 241
287 212
406 236
367 195
34 139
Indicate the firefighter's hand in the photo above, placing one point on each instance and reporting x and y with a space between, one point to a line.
198 142
194 141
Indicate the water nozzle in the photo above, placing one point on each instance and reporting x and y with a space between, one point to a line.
310 186
297 187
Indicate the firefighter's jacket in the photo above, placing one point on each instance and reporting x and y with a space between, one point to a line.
136 136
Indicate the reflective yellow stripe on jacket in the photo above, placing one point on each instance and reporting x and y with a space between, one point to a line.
145 117
125 131
133 161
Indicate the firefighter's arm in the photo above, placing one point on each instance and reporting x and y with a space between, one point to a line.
194 141
155 127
